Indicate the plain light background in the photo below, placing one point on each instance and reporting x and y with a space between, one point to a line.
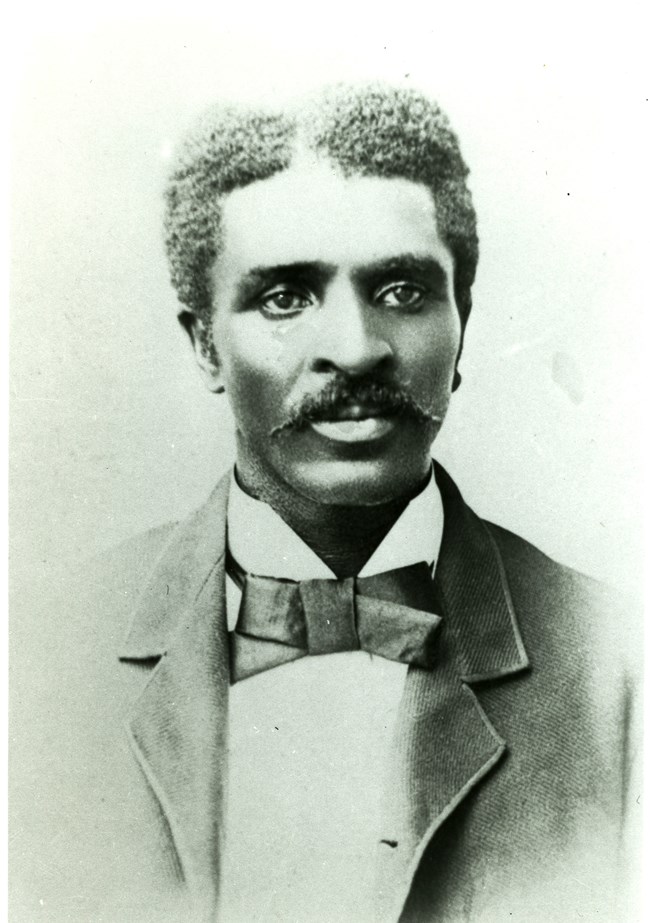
111 430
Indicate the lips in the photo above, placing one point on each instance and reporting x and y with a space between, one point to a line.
361 430
355 423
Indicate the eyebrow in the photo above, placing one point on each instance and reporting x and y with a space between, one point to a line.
259 276
422 265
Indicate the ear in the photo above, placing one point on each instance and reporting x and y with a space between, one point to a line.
455 385
204 351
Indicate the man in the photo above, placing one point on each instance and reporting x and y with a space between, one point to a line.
333 693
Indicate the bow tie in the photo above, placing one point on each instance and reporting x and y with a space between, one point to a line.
390 614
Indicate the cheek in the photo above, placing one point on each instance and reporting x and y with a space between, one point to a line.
431 358
249 341
258 349
256 381
252 388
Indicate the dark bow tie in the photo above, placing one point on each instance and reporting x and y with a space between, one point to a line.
390 614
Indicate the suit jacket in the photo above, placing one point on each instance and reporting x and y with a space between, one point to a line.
511 770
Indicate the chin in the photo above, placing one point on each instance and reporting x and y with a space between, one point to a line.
360 483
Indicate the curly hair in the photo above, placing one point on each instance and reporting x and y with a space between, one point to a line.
366 130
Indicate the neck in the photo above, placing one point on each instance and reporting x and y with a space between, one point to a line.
344 537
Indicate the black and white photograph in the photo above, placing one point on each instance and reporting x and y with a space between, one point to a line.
325 465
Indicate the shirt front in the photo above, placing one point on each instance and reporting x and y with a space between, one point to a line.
308 740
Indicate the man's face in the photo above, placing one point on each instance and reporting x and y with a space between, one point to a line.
336 332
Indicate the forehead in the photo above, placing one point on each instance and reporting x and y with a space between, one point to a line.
309 213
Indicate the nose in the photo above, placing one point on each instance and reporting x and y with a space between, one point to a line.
349 336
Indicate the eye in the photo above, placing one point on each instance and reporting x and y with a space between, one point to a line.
284 302
401 295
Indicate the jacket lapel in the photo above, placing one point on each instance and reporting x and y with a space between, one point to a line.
445 744
178 725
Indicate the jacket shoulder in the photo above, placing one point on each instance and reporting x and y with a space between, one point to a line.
100 590
537 581
535 567
65 634
125 566
528 566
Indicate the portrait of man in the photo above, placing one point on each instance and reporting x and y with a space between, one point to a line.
333 691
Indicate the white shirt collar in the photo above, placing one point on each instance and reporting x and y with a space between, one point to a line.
262 543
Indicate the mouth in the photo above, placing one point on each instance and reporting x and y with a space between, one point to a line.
356 424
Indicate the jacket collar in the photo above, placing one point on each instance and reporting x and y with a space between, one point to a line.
445 743
475 595
470 578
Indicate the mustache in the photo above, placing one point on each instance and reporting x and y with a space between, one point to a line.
383 398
